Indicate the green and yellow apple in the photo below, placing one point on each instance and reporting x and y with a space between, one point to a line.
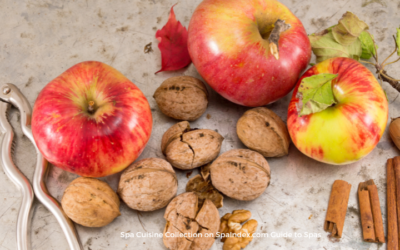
347 130
231 45
91 120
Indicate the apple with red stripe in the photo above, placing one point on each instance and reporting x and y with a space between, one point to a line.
91 120
350 128
250 51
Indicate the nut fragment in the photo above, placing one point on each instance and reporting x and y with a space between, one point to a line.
261 130
204 190
394 131
235 235
90 202
187 149
205 171
182 98
241 174
198 227
148 184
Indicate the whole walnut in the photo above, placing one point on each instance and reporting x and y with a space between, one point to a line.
90 202
199 224
261 130
187 148
182 98
241 174
148 184
394 131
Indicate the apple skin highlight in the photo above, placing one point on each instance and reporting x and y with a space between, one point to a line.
91 144
228 44
349 130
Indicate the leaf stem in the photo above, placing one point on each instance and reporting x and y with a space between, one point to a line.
383 63
367 62
398 59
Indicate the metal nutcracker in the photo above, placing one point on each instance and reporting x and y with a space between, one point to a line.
10 95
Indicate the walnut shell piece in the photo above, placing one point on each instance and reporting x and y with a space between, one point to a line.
148 185
188 227
394 131
241 174
205 171
186 149
261 130
204 190
182 98
90 202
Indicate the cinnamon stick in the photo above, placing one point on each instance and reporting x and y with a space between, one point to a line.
337 207
370 211
377 214
367 221
396 168
393 240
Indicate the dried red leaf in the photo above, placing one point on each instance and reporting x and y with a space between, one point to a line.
173 44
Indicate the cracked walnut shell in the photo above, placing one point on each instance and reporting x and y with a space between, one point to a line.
90 202
190 227
148 184
186 149
261 130
241 174
182 98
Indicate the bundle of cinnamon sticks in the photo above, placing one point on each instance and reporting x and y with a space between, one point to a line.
393 202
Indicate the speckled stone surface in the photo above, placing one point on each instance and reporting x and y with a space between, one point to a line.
39 39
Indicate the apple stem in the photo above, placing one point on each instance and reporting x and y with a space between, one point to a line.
279 27
91 106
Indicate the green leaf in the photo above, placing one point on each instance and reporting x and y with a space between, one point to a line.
367 44
325 46
317 94
398 41
348 29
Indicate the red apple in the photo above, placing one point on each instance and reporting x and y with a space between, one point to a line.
229 45
351 128
91 120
